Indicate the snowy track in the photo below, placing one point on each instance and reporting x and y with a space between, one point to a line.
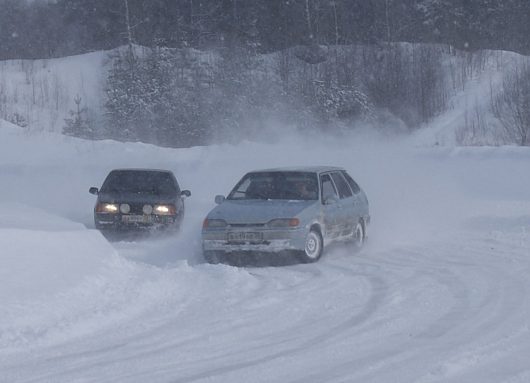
440 293
441 312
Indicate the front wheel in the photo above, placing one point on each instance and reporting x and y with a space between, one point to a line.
313 247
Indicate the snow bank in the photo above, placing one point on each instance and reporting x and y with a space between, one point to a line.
38 264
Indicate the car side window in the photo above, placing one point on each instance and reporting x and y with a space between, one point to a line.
175 183
342 185
328 189
240 190
354 187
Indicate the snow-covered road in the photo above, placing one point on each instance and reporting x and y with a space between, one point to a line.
439 294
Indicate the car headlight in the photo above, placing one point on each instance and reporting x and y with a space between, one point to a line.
284 222
107 208
214 223
165 209
147 209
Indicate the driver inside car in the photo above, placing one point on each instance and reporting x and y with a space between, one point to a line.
303 190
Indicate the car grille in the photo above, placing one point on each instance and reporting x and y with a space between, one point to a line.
136 208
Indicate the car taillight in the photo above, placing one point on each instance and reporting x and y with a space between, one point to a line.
217 223
284 222
293 222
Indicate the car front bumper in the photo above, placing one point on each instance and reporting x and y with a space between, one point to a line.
117 222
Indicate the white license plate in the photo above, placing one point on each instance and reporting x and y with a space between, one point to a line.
137 219
245 236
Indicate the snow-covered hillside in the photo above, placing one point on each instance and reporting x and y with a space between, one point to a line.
439 294
41 94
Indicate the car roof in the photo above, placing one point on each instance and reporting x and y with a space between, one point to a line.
141 170
308 169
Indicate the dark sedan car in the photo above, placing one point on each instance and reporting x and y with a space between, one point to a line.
138 199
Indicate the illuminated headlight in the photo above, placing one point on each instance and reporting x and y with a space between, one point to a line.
287 222
165 209
147 209
125 208
214 223
107 208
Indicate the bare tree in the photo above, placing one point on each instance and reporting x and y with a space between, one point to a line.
512 105
128 26
308 20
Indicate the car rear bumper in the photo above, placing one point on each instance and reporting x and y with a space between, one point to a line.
272 241
275 246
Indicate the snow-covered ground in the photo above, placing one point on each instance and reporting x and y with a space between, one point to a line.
439 294
40 94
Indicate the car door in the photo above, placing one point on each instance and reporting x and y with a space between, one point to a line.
359 199
347 215
330 206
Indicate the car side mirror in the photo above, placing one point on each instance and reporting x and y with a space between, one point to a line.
185 193
219 199
93 190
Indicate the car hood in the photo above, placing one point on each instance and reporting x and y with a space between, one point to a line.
119 197
258 211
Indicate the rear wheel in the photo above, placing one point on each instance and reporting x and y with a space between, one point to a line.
358 236
313 247
212 257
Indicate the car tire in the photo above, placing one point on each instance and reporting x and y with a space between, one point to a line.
314 245
358 236
212 257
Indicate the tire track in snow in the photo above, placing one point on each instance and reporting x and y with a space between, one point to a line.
378 292
381 317
477 330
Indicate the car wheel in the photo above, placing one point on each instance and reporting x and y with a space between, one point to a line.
212 257
313 247
358 236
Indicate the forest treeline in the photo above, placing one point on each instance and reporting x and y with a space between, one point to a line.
57 28
192 72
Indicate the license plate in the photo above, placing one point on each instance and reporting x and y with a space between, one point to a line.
245 236
137 219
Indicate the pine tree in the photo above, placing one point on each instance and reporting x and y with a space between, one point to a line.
78 124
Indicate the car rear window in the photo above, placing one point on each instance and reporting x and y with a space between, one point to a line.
276 185
159 183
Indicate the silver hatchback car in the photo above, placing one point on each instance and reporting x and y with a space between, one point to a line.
286 210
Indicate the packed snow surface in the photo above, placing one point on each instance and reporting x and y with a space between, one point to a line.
439 294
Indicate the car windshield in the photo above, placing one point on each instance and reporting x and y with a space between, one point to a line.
159 183
276 186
